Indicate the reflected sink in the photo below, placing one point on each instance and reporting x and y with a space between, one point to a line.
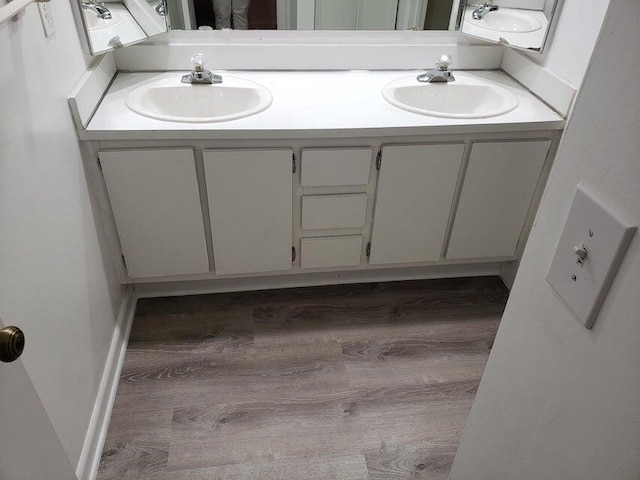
96 23
506 21
168 99
466 98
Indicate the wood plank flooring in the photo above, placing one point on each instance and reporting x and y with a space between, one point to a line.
350 382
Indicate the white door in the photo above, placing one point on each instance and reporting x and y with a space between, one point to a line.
496 194
413 202
250 194
355 14
335 14
377 14
29 446
156 204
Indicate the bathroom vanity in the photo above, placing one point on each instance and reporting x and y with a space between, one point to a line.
329 178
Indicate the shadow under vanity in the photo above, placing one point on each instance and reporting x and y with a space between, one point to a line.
371 192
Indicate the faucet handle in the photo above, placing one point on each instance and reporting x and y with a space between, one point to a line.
443 62
198 62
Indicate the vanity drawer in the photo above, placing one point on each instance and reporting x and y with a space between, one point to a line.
322 252
332 167
333 211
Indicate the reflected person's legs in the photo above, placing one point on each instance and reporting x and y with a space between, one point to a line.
222 11
240 9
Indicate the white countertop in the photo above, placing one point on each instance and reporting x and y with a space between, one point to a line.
325 104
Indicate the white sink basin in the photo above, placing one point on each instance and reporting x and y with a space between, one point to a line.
96 23
467 98
168 99
506 21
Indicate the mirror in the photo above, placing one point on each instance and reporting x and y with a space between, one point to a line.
522 24
314 14
114 24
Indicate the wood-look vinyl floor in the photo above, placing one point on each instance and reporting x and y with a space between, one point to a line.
351 382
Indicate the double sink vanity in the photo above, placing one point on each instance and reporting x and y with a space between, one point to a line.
280 172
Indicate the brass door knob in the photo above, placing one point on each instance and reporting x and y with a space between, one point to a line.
11 344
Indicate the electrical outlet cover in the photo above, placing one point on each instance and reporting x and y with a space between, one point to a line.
594 227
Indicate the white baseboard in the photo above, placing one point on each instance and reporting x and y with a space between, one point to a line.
508 271
89 462
196 287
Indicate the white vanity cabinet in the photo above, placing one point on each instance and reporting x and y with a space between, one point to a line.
156 206
415 194
253 212
250 206
497 190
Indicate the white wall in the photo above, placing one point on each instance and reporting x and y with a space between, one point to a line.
558 401
573 40
55 282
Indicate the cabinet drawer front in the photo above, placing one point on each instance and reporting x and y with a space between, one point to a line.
496 194
156 204
333 211
333 167
325 252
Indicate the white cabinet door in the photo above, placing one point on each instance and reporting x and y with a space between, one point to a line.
498 187
413 202
250 204
156 204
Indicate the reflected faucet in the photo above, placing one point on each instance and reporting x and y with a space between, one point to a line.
441 73
199 75
161 9
480 12
98 8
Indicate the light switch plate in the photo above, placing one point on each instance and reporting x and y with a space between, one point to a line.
47 19
594 228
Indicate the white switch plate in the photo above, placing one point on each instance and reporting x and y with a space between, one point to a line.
47 19
606 236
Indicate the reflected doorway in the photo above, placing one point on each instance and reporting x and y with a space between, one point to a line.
262 14
333 14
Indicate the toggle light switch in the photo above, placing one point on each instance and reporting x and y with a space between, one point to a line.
589 252
581 252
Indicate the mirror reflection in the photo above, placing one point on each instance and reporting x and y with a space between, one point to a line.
313 14
521 24
114 24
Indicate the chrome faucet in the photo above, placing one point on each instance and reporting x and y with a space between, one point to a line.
199 75
98 8
480 12
440 74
